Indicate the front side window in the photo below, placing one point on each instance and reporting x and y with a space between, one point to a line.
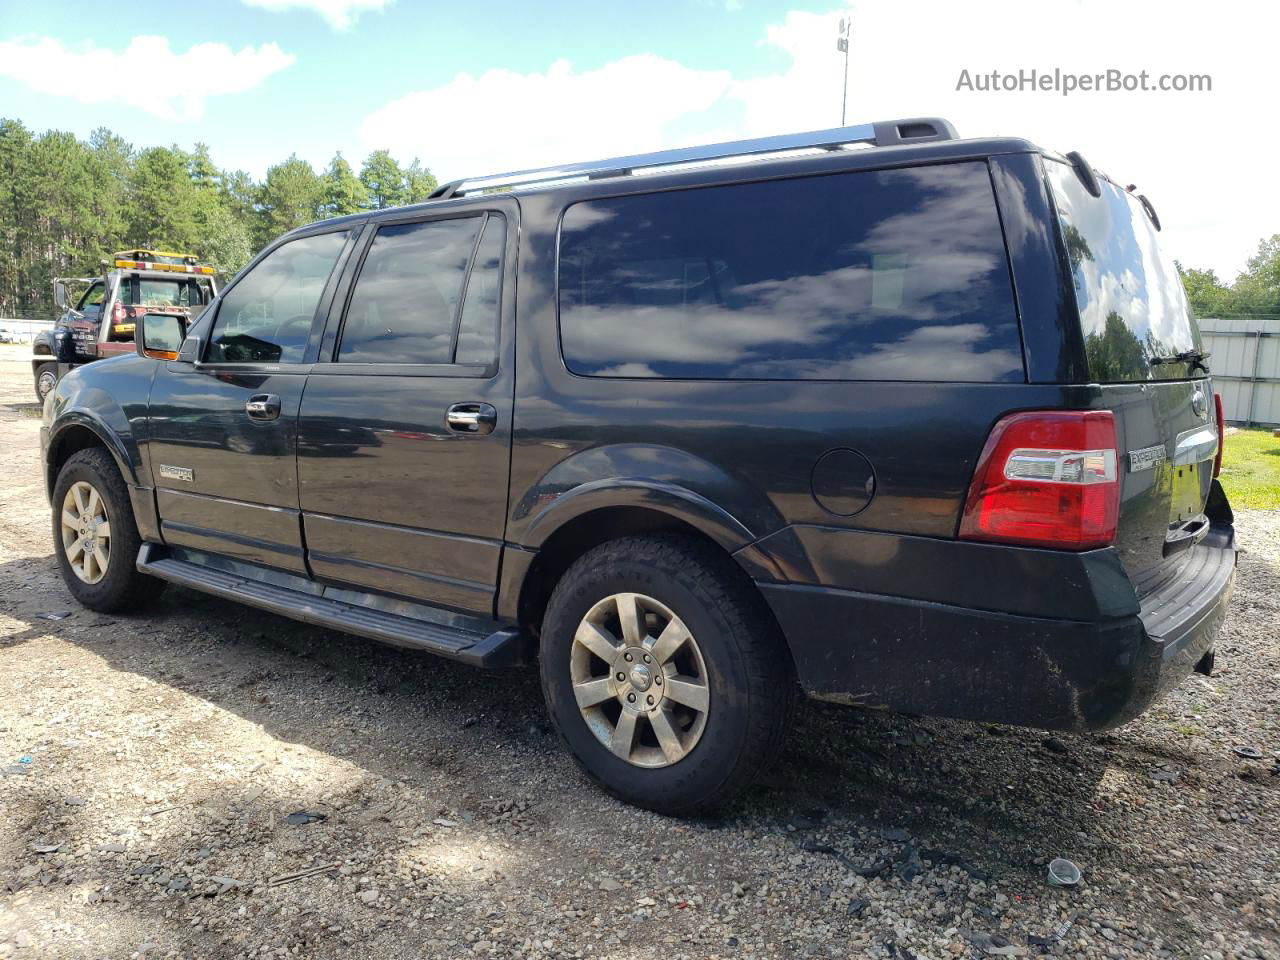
266 317
408 298
91 302
877 275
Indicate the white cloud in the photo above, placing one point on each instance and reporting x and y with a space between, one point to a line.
174 86
339 14
501 120
1204 159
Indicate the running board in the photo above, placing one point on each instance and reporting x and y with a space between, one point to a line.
503 647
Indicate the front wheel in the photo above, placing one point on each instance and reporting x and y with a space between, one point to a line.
95 536
46 379
665 673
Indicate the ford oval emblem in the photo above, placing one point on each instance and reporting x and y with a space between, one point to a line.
1198 403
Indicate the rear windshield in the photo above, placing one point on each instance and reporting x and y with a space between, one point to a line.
153 292
1132 305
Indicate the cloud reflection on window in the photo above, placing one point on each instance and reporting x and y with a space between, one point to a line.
884 275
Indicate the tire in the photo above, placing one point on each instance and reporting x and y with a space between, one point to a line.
737 666
117 585
46 379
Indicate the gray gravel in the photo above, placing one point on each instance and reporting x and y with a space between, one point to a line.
151 765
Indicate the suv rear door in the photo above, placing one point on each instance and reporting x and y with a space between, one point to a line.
223 431
405 429
1136 324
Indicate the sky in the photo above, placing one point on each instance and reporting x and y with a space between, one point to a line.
497 85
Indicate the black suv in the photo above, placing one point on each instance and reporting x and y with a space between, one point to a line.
923 425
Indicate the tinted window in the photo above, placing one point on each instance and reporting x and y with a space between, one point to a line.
1131 300
478 329
409 292
884 275
266 317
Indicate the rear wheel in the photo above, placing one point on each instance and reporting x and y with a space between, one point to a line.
665 673
95 536
46 379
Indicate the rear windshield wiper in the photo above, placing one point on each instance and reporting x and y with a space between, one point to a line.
1193 357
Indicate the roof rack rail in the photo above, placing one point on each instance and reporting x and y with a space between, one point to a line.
882 134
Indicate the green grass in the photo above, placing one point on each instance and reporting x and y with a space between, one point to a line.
1251 469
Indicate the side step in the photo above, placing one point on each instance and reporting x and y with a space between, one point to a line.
502 648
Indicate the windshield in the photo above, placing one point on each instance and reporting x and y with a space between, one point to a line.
1132 305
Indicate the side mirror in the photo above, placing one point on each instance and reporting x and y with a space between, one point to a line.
60 294
160 335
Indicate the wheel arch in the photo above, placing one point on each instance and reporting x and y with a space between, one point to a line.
77 433
528 587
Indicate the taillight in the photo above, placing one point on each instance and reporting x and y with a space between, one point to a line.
117 313
1222 433
1046 479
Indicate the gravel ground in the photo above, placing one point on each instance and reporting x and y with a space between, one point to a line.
151 764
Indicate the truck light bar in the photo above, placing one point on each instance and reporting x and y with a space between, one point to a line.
170 267
887 133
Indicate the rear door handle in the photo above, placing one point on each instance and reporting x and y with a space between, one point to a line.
263 406
472 418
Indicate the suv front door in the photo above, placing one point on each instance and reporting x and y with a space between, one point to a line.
223 431
405 434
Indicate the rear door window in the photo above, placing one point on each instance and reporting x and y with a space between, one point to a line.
878 275
1131 301
428 293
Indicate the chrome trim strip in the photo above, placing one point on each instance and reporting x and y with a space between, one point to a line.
1195 445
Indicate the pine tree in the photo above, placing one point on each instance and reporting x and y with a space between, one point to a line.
291 197
419 182
384 180
344 193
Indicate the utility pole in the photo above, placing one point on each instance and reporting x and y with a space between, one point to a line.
842 44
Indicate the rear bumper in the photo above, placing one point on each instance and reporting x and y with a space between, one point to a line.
1052 672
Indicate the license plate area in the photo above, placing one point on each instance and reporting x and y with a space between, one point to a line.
1187 497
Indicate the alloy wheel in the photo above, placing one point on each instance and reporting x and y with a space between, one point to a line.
640 680
86 532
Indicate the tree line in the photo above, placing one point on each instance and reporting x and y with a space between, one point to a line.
66 204
1255 292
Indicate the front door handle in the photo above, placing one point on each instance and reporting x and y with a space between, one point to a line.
263 406
472 418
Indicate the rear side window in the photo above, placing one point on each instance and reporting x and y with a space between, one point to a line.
1132 304
882 275
427 293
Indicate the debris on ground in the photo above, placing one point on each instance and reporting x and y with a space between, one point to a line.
301 817
1063 873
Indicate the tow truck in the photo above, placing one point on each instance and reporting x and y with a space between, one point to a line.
103 320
